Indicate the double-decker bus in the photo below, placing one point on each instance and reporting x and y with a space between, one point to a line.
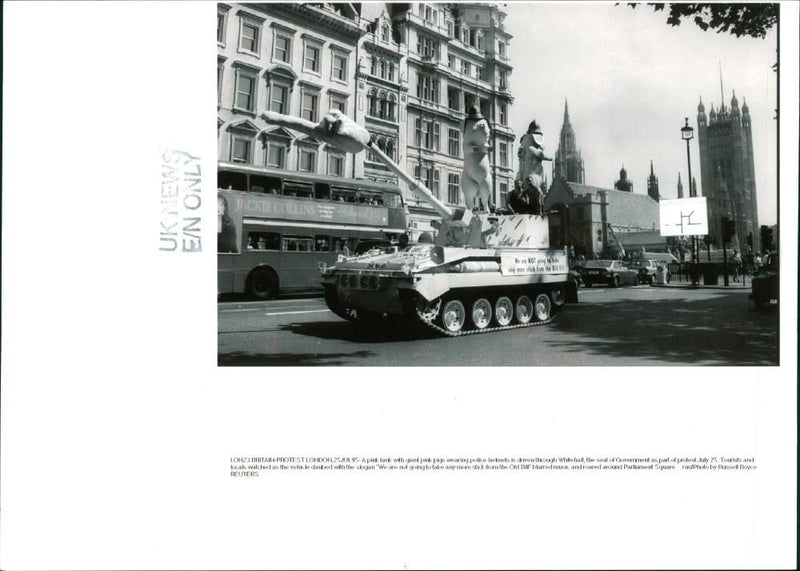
275 228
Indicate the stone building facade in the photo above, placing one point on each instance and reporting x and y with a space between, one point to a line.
407 72
727 170
602 221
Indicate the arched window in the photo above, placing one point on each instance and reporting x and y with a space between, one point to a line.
382 110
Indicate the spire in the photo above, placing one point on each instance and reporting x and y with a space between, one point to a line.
651 168
734 101
745 108
566 111
680 186
701 108
721 91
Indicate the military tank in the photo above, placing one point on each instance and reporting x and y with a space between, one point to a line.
483 272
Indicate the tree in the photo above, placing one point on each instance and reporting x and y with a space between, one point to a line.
739 19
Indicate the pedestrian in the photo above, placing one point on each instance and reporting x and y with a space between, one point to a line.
737 265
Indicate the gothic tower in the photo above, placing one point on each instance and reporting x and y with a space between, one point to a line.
623 183
680 186
727 170
652 184
567 163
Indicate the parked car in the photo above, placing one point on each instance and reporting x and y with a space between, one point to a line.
647 270
611 272
764 290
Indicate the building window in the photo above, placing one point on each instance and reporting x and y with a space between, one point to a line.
282 49
307 160
503 80
451 61
503 113
454 142
427 88
279 99
339 67
501 49
431 15
465 35
427 134
245 91
503 154
453 186
453 99
221 19
451 29
220 69
335 164
248 37
479 73
311 58
339 102
469 101
466 67
241 149
276 154
428 47
504 194
310 109
386 32
429 177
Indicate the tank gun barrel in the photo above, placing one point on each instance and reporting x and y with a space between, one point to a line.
440 207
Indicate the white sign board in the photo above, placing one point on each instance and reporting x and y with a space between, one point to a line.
525 263
683 217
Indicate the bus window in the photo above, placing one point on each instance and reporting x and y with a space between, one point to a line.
392 200
322 191
323 243
263 241
265 184
371 198
343 194
231 180
298 189
298 244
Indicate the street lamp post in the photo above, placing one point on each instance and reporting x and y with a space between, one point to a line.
687 134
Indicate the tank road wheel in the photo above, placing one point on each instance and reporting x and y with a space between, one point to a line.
543 307
453 315
523 309
427 311
481 313
559 295
503 311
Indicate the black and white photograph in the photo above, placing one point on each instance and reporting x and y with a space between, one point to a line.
462 285
394 174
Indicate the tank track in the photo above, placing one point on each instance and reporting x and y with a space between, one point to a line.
462 333
485 330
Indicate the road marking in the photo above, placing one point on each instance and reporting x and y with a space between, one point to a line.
298 312
243 309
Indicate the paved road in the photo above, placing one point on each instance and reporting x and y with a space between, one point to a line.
620 327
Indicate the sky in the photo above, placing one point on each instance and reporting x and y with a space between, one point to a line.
630 80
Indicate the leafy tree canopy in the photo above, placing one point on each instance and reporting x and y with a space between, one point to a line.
739 19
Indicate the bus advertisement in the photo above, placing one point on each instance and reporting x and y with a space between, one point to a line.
276 228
